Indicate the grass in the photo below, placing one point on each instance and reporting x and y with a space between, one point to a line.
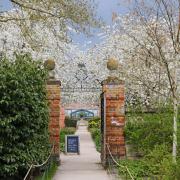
65 131
49 172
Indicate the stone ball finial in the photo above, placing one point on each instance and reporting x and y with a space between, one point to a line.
49 64
112 64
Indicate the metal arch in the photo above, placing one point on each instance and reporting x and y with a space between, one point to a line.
72 90
84 81
82 110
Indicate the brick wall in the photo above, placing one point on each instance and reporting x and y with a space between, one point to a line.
62 118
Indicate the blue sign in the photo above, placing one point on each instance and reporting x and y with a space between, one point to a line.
72 144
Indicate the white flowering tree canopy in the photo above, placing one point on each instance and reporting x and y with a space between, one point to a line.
81 72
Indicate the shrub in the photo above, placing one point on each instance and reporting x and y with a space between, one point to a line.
137 168
160 162
23 115
95 130
70 122
63 133
49 171
94 123
145 131
96 135
151 135
156 165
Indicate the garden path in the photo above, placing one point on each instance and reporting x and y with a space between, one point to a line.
85 166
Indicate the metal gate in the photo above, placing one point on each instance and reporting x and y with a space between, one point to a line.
103 129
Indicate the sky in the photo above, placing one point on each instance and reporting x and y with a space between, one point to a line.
104 10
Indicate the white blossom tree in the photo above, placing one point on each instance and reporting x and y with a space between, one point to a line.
146 41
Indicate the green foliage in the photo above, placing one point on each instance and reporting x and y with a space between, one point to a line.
70 122
49 172
96 135
63 133
157 164
138 168
23 115
145 131
94 123
95 130
151 136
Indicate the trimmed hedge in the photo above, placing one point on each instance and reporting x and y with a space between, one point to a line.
70 122
23 116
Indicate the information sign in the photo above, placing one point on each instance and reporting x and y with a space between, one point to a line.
72 144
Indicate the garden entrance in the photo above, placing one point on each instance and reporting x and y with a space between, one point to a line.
112 110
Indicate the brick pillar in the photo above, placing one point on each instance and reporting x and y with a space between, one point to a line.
53 90
62 118
113 118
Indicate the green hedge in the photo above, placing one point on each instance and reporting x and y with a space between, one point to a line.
96 135
70 122
23 116
63 133
95 130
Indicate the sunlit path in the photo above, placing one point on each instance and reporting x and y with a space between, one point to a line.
85 166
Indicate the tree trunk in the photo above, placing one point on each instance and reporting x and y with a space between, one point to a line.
175 112
174 152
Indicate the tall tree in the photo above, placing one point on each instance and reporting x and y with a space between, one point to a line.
160 20
59 16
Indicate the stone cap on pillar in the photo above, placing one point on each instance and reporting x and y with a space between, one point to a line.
54 82
112 80
113 66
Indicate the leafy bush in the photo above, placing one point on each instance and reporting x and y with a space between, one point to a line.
96 135
70 122
160 162
151 136
156 165
137 168
145 131
23 114
95 130
63 133
94 123
49 172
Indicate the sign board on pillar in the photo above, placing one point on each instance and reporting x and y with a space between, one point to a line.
72 144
